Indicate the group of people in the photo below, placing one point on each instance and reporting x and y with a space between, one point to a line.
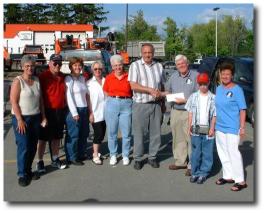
132 102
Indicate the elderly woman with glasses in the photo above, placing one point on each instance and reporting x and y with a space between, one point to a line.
27 115
96 117
118 109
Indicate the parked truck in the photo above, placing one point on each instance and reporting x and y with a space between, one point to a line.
134 49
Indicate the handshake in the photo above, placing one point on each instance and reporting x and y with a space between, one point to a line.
157 94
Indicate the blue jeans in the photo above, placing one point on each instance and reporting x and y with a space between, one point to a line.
26 143
118 114
201 155
77 134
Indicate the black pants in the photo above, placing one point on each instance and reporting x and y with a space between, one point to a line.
99 131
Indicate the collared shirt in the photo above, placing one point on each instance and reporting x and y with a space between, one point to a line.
182 84
97 98
117 87
53 90
76 93
193 106
146 75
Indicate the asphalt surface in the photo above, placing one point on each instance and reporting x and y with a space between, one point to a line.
105 183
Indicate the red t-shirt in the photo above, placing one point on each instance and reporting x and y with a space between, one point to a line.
53 90
115 87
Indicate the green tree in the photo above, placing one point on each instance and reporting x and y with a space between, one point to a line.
233 33
178 40
88 14
35 14
139 29
59 13
12 13
233 37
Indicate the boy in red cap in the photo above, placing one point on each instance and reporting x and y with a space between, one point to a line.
202 116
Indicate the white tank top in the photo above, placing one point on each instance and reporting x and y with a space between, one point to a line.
29 98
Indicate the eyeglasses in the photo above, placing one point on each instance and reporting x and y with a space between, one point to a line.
57 63
29 66
97 69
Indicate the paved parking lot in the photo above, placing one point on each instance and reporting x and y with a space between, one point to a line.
91 183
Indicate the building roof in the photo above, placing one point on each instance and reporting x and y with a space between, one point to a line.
11 30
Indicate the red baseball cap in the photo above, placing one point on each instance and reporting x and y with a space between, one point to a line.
203 78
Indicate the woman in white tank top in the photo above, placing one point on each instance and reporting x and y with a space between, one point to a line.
27 107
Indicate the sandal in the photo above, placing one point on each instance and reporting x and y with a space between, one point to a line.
222 181
96 160
237 187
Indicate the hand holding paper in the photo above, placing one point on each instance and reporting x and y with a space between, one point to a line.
173 97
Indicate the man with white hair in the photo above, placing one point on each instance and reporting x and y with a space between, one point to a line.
147 81
182 81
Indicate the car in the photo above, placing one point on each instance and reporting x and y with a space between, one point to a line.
169 65
197 61
244 77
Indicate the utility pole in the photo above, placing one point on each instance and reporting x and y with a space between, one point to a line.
126 29
216 9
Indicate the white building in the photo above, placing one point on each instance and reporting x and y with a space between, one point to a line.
16 36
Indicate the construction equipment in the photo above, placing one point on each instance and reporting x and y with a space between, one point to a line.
68 43
7 60
37 52
108 44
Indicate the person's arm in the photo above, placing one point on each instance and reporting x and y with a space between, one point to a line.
188 107
44 120
212 127
189 123
143 89
69 97
242 131
14 100
91 114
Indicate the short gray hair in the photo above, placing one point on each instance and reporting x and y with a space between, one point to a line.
26 59
117 58
96 62
179 56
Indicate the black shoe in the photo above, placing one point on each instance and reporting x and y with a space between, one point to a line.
77 163
201 180
154 163
23 181
58 164
138 165
40 167
193 178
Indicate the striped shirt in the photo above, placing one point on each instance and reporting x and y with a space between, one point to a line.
193 106
151 76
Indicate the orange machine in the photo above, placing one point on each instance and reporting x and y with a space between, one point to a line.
68 43
105 44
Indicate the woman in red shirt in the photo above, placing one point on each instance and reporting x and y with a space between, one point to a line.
118 109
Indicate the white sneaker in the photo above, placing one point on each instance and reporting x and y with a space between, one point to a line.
113 160
126 161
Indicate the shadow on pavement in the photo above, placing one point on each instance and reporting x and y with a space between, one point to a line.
247 152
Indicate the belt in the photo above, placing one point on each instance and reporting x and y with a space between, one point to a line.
121 97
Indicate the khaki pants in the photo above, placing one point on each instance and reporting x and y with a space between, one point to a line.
181 144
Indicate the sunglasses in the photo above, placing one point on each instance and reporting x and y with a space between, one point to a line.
55 63
97 69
